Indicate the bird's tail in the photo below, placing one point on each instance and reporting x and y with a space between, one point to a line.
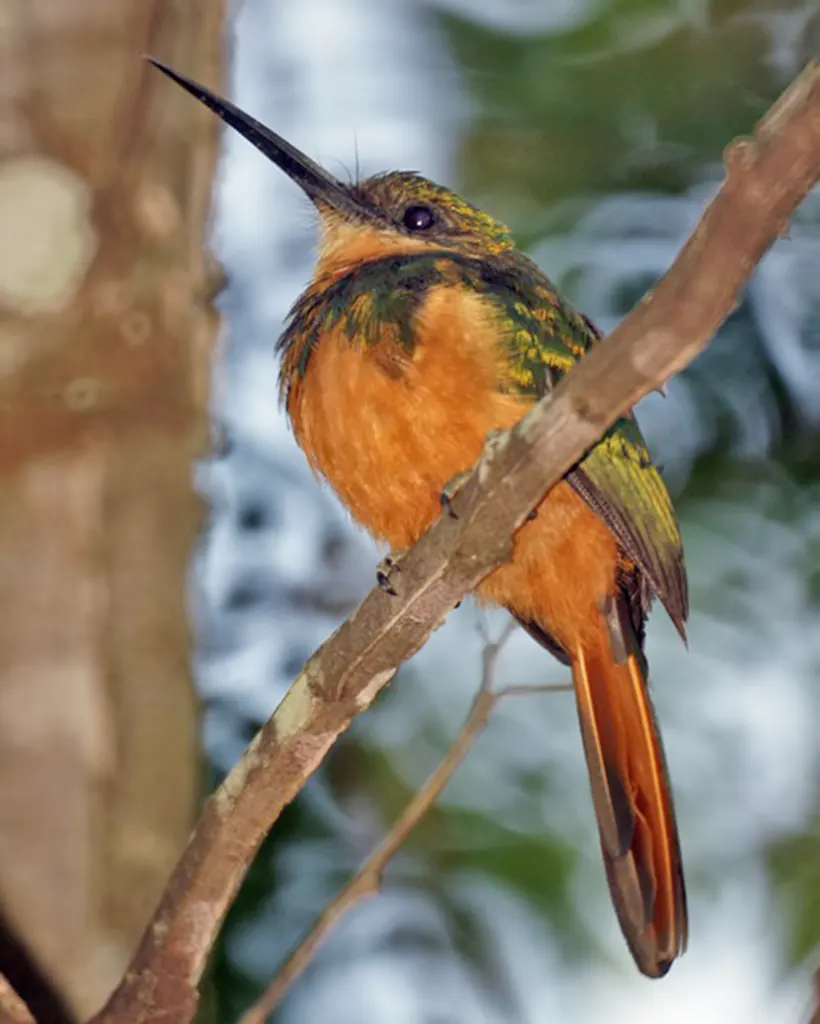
630 791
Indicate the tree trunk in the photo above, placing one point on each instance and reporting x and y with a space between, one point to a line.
106 335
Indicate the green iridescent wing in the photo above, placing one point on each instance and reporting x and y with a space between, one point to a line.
545 338
618 481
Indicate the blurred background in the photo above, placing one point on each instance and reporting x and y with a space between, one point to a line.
595 129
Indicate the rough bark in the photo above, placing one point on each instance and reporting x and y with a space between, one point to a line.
105 344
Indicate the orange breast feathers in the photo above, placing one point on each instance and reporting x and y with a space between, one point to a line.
388 428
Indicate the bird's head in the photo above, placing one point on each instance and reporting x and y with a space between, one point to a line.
391 213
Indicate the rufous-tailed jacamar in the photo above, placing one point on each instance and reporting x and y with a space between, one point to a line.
423 329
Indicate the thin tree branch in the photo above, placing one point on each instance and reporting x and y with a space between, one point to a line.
767 177
367 881
12 1008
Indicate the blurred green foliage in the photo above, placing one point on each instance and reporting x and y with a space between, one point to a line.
453 841
642 95
794 867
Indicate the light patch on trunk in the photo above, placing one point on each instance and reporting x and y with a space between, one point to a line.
48 240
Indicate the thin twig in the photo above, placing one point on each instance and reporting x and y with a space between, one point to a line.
767 177
530 689
368 879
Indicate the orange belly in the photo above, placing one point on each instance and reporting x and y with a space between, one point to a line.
389 442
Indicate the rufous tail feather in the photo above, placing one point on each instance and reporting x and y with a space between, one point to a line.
630 792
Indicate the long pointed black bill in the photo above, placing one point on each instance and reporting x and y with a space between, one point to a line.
315 181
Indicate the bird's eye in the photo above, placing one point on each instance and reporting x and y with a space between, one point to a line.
418 218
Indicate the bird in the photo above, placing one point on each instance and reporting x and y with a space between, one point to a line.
423 329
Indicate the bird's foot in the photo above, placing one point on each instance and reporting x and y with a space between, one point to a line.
450 490
386 572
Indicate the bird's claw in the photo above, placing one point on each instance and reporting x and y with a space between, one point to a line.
450 490
385 572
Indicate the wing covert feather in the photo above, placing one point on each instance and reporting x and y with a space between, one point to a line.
544 337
